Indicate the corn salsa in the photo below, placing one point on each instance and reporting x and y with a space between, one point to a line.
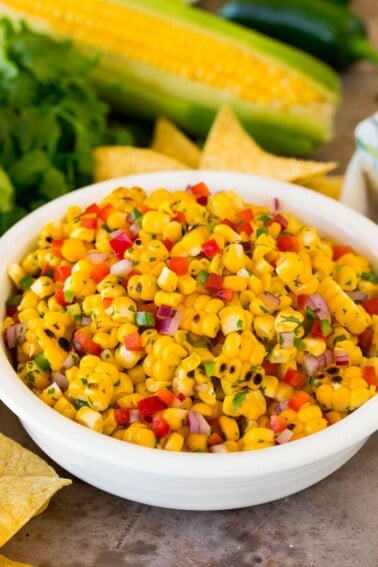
192 321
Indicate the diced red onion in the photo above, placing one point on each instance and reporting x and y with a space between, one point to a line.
276 204
316 302
60 379
314 363
134 229
220 448
169 326
341 358
86 320
71 360
14 334
284 436
134 416
165 312
115 232
282 406
286 339
198 423
96 257
357 295
121 268
271 301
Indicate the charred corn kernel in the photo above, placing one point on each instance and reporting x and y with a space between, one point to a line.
122 386
127 358
358 396
263 326
129 401
140 436
90 418
142 287
175 442
175 417
309 412
232 318
109 422
324 395
173 299
51 394
234 258
167 280
284 392
258 438
342 307
65 407
73 249
314 346
251 404
232 446
229 428
346 277
196 442
43 286
186 285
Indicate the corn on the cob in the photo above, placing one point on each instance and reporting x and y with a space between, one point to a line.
161 58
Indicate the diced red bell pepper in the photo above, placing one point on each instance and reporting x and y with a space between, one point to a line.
277 423
106 211
100 271
370 375
365 340
287 243
160 426
214 282
107 301
280 219
371 305
56 246
168 244
120 243
298 399
166 396
295 378
133 342
215 439
245 215
339 250
229 223
61 273
89 222
60 298
151 405
83 343
92 209
226 294
179 216
179 265
122 416
200 190
245 227
270 367
316 329
210 248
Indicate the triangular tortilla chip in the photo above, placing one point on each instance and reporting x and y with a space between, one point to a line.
170 141
5 562
229 147
329 185
18 461
116 161
21 497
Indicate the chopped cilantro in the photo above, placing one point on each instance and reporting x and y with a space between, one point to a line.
238 400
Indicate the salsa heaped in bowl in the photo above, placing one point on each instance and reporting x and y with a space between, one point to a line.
202 409
193 320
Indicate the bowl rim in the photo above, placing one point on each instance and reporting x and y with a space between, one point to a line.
39 417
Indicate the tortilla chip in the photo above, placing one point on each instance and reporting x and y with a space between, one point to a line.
18 461
5 562
21 497
116 161
170 141
229 147
329 185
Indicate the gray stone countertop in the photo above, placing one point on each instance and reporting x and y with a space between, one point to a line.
331 524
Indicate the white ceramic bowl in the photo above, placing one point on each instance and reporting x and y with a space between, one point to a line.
191 481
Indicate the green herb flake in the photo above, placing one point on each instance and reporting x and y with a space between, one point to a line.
144 319
26 282
238 400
